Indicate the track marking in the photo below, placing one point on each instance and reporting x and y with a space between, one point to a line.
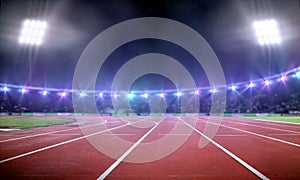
121 158
61 143
47 133
260 135
250 168
285 130
119 134
65 134
173 134
230 135
285 134
273 121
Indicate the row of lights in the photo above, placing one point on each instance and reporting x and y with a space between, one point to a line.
178 94
250 85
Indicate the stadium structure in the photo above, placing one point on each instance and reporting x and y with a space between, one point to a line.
150 89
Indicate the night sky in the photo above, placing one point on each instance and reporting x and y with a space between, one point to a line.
226 26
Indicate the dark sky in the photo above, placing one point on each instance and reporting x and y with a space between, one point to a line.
226 25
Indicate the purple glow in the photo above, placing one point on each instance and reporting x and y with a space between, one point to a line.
101 94
82 94
178 94
196 92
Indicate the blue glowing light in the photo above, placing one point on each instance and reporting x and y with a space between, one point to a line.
233 88
23 90
297 75
82 94
178 94
283 78
161 95
101 94
130 95
145 95
196 92
63 94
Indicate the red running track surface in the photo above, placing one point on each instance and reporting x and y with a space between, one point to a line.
61 151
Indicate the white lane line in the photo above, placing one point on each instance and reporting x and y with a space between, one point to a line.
61 143
273 121
47 133
231 135
74 134
112 134
250 168
285 134
121 158
6 130
260 135
284 130
173 134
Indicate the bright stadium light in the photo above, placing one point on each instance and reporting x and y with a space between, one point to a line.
251 85
101 94
178 94
283 78
267 32
130 95
145 95
32 32
214 90
233 88
297 75
5 89
161 95
23 90
267 82
45 93
115 95
63 94
82 94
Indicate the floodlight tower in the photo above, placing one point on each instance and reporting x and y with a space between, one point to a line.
32 33
267 32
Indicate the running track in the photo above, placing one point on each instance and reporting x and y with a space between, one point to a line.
241 149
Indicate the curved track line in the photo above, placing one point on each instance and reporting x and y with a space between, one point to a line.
284 130
61 143
250 168
256 134
46 133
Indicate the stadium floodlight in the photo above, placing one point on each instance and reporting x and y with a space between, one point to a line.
5 89
63 94
161 95
101 94
115 95
233 88
213 90
251 85
267 82
23 90
82 94
178 94
32 32
297 75
283 78
267 32
145 95
130 95
45 93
